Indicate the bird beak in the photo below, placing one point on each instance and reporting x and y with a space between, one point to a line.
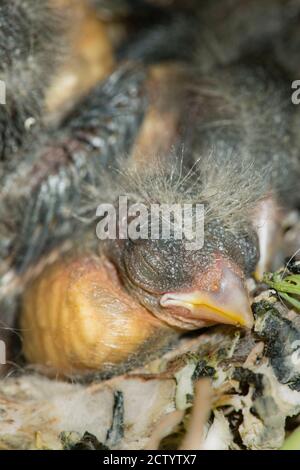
228 304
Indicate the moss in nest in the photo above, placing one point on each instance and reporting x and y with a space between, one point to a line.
72 441
246 377
203 370
282 342
293 266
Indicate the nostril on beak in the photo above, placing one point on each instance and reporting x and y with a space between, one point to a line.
229 304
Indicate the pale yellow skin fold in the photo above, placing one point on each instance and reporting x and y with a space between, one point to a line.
76 317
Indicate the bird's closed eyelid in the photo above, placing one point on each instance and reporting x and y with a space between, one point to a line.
151 266
141 275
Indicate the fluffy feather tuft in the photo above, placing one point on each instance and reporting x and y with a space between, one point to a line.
30 34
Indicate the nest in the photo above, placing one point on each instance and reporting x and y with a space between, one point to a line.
239 387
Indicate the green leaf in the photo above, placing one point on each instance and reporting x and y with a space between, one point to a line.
285 286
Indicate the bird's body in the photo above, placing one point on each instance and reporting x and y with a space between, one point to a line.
78 320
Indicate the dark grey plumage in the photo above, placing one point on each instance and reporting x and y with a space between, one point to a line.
244 117
43 198
30 44
231 29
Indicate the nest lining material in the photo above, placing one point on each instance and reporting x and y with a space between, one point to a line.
254 381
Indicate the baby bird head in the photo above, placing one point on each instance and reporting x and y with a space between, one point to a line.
191 286
187 288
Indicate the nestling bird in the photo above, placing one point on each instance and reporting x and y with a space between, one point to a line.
239 161
245 162
239 144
